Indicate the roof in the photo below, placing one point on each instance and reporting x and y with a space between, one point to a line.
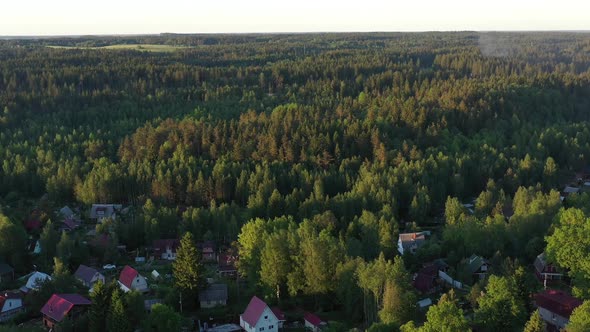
424 282
59 305
107 209
474 263
206 247
278 313
8 295
215 292
557 301
313 319
254 311
424 303
570 190
71 223
5 268
66 211
127 275
36 279
408 239
85 273
162 245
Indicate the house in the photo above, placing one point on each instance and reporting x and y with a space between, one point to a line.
11 304
279 315
410 242
258 317
61 306
568 191
6 273
66 212
35 280
226 265
556 307
34 246
546 271
215 295
313 322
476 266
166 249
100 212
130 279
69 225
424 303
207 249
425 280
88 276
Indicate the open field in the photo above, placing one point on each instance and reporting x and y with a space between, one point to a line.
135 47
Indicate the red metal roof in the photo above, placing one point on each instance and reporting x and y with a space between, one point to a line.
313 319
33 224
127 275
278 312
59 305
161 245
254 311
557 301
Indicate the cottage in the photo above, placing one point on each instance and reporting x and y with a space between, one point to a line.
69 225
280 316
207 249
215 295
556 307
166 249
258 317
130 279
425 280
35 280
11 304
313 322
100 212
6 273
66 212
410 242
476 267
546 271
88 276
227 265
61 306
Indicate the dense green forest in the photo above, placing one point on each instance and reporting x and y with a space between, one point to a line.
311 153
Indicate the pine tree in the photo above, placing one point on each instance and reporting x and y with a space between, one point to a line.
187 268
535 324
101 296
117 318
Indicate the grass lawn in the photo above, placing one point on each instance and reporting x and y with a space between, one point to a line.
135 47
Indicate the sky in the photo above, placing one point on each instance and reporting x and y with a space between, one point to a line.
83 17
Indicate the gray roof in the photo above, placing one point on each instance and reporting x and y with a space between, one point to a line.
107 209
85 273
5 268
215 292
474 263
66 211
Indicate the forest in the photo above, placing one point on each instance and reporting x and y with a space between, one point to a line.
309 154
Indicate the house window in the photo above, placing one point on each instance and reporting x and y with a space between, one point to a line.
271 327
265 317
262 329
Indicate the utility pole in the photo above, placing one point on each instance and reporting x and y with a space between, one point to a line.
180 302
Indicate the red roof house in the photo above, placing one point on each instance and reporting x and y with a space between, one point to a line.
32 225
556 306
60 306
313 322
130 279
259 317
280 316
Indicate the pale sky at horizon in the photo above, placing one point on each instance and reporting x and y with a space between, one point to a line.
71 17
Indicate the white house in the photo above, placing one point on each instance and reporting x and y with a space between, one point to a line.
410 242
130 279
258 317
166 248
10 305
